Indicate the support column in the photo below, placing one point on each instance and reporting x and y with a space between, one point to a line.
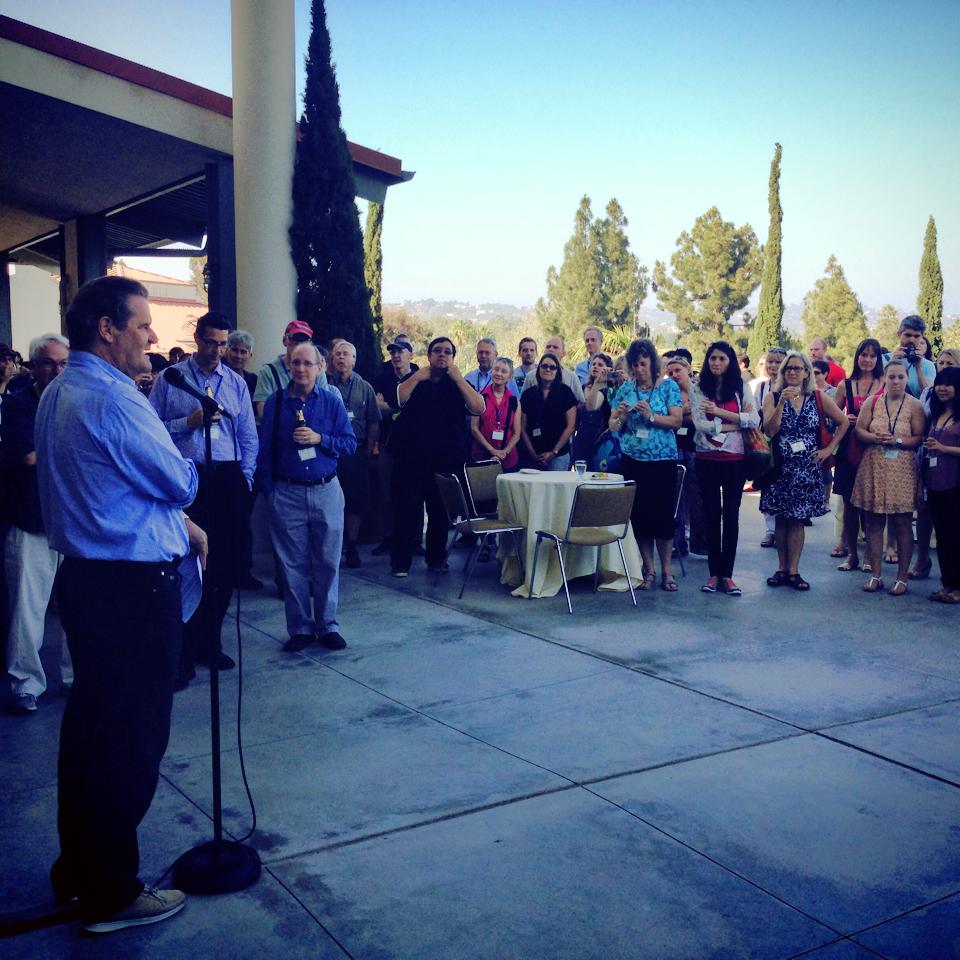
264 144
84 254
221 250
6 313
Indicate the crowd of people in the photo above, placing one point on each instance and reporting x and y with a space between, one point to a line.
122 470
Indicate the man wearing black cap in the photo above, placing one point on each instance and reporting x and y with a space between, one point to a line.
394 372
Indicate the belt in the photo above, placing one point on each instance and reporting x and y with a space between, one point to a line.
306 483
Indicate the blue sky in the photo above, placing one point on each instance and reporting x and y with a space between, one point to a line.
509 112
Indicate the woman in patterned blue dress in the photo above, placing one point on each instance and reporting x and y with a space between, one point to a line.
791 416
646 414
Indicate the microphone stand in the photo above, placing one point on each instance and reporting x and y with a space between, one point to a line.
218 865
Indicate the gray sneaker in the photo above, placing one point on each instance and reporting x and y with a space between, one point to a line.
151 906
24 703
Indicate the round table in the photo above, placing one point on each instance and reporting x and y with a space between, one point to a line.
542 501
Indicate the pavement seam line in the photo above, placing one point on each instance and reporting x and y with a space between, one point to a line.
713 860
900 916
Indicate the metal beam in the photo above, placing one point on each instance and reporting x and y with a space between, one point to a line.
221 241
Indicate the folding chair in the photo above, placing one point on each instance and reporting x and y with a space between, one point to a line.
678 498
481 478
596 508
459 517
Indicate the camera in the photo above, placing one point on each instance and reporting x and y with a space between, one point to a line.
910 354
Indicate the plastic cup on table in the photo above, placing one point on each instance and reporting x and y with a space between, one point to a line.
581 467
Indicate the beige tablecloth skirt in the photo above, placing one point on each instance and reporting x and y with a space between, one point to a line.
542 501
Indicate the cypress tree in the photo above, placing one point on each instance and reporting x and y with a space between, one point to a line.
767 331
373 270
325 239
930 298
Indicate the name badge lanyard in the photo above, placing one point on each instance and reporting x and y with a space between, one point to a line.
937 432
216 396
481 386
892 424
497 412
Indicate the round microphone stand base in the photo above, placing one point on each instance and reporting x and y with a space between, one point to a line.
217 866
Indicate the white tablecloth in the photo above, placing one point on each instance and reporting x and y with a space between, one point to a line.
542 501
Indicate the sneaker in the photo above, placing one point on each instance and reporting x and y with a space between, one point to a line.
352 558
297 642
151 906
710 586
399 573
769 540
730 588
24 703
332 641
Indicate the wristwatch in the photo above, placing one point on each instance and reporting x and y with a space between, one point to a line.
899 441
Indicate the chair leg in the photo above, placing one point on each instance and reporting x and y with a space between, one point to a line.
533 572
471 563
563 574
626 572
683 566
596 573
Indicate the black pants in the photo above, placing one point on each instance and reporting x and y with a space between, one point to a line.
122 622
412 486
221 510
944 506
721 488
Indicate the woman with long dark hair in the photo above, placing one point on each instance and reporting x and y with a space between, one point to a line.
646 414
595 414
721 406
865 380
548 417
941 450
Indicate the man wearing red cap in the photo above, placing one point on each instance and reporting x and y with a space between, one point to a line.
275 374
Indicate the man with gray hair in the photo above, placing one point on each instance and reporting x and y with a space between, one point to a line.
480 377
920 371
353 468
593 341
239 352
30 563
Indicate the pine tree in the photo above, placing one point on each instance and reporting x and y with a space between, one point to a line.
373 270
325 239
885 329
573 291
930 298
715 269
832 311
767 331
621 277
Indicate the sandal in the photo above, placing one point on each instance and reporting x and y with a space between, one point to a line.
921 572
778 579
898 589
797 582
944 596
873 585
669 583
866 567
646 583
891 558
851 563
839 552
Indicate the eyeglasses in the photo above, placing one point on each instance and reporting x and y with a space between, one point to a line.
548 366
794 369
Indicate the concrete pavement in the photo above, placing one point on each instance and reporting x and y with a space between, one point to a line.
771 776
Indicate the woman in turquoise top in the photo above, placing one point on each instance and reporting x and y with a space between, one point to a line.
646 414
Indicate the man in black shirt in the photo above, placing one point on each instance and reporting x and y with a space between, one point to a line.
429 437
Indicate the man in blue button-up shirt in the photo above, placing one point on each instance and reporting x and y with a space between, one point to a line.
112 489
303 433
221 504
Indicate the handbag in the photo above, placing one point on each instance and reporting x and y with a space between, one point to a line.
826 437
757 453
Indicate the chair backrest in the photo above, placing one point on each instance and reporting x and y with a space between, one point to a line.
481 480
678 492
451 493
603 505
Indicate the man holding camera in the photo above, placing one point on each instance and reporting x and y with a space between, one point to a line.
920 371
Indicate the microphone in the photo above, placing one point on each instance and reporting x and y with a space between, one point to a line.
175 378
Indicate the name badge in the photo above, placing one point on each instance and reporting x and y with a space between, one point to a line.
215 432
497 435
932 461
349 414
642 433
307 453
682 431
797 446
537 431
891 454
